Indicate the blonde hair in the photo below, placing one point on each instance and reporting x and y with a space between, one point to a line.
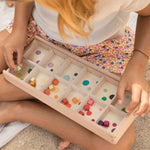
72 14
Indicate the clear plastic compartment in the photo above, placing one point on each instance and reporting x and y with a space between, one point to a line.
89 79
25 70
127 100
53 61
73 98
38 77
106 90
111 119
71 70
92 108
36 52
55 87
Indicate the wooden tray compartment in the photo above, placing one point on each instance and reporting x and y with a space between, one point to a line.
41 76
27 68
127 100
56 91
75 97
71 70
114 117
88 79
53 61
92 108
106 90
36 52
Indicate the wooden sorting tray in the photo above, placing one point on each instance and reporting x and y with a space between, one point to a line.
79 82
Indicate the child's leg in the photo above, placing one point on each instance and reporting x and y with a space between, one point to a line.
41 115
9 92
3 36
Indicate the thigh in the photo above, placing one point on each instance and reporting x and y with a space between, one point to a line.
3 36
9 92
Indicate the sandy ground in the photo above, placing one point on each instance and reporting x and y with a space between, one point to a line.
35 138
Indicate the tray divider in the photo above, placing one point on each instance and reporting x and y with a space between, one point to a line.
80 76
48 55
63 66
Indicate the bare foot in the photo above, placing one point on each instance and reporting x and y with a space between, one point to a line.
63 144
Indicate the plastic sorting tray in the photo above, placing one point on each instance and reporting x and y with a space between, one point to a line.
90 91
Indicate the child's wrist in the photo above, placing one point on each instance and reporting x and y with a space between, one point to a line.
139 57
141 52
19 33
19 29
138 62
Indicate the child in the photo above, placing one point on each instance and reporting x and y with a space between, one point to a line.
92 30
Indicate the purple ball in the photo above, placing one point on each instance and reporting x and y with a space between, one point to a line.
50 65
38 52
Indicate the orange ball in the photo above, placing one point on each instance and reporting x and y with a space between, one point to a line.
75 100
47 92
10 4
62 102
33 83
68 105
56 96
65 101
55 82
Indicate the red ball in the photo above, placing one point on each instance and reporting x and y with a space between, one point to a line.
81 112
86 107
65 101
90 102
89 113
106 123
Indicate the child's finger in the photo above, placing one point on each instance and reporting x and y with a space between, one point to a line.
4 54
144 103
9 55
15 58
136 94
19 57
6 60
120 93
148 108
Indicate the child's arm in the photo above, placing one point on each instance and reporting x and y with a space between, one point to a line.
16 40
22 13
133 77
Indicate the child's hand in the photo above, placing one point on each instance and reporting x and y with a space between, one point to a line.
133 79
13 48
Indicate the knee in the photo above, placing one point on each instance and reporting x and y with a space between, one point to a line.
110 146
126 143
129 143
126 146
123 144
18 108
129 138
